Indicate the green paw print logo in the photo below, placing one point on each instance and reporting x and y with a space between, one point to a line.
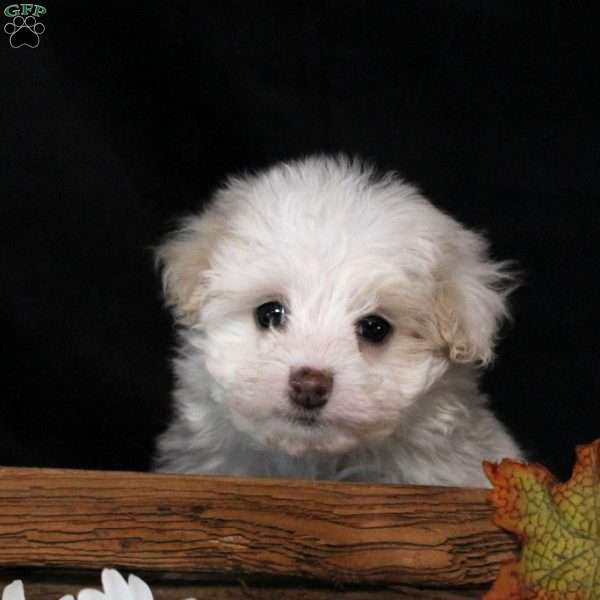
24 29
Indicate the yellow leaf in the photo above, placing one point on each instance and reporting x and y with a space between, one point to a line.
559 526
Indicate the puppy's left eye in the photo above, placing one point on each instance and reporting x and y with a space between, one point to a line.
270 314
373 329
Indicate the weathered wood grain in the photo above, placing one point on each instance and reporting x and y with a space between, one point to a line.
334 532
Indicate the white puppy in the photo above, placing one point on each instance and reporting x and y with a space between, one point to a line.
332 326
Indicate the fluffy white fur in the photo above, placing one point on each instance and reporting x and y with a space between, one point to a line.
334 242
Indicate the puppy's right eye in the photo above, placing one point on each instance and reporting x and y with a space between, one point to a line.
270 314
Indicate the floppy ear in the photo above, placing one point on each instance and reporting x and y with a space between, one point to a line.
184 259
471 301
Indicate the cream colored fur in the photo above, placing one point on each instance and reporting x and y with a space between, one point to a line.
333 242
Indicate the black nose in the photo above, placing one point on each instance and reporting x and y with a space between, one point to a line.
310 388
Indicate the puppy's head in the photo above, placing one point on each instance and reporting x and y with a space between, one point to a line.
324 301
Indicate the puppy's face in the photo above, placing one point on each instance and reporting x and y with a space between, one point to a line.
323 305
314 351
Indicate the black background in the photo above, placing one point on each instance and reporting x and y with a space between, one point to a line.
128 114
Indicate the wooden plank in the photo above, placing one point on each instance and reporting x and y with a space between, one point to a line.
203 525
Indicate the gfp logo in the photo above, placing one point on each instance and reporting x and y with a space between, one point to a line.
24 29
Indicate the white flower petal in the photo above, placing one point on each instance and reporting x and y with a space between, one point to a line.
67 597
139 588
14 591
89 594
115 587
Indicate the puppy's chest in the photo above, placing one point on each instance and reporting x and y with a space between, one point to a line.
360 466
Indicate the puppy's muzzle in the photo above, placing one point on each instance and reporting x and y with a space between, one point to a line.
310 388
